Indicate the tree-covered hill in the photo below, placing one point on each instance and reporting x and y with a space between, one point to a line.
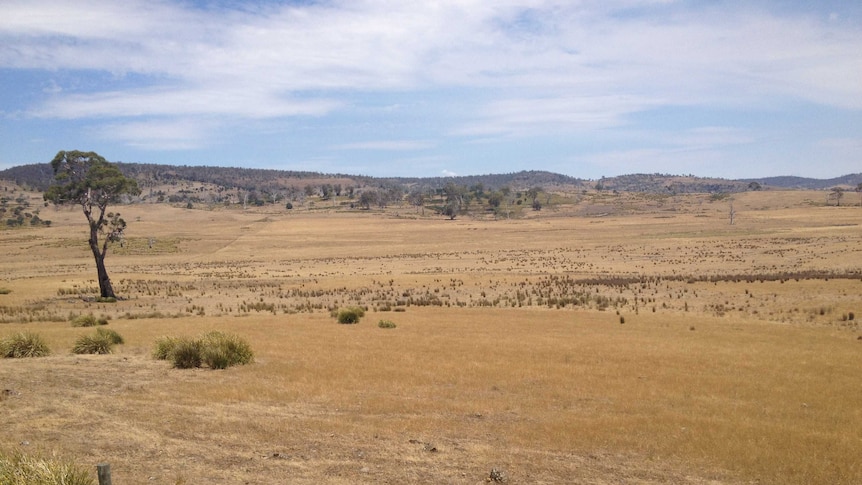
39 176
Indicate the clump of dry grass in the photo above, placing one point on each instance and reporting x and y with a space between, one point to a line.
217 350
164 346
110 335
23 344
349 315
221 350
97 343
19 469
186 354
88 321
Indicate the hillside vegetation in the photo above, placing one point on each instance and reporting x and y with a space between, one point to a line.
39 176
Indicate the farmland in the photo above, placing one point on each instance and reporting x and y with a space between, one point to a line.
607 338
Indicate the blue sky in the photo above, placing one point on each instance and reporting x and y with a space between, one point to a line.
733 89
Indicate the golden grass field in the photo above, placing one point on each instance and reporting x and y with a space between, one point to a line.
738 360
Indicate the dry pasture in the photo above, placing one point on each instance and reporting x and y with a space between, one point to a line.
737 362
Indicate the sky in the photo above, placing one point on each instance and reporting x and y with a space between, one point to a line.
427 88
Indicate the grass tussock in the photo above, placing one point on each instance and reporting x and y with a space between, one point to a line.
186 354
19 469
88 321
386 324
216 350
23 344
221 350
349 315
110 335
164 346
101 342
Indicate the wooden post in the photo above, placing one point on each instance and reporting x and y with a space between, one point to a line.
104 472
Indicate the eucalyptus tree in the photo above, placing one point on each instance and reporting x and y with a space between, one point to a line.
836 193
90 181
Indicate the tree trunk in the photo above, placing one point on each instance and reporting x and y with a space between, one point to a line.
106 290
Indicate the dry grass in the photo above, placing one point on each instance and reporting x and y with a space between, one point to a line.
749 378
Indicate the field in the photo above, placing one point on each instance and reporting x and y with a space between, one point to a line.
605 339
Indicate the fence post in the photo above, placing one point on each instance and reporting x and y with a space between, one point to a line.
104 472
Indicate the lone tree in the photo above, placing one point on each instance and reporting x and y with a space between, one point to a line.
836 193
87 179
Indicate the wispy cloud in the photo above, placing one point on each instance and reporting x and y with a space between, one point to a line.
387 145
496 70
160 134
148 102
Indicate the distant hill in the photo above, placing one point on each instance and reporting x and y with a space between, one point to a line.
39 177
663 183
849 181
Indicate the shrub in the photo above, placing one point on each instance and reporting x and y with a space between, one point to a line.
20 469
350 315
5 291
220 350
386 324
23 344
84 321
111 335
88 321
164 347
216 350
186 354
98 343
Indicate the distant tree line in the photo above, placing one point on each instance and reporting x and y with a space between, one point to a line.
17 212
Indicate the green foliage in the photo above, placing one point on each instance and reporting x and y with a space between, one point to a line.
19 469
23 344
350 315
216 350
94 344
5 291
86 177
386 324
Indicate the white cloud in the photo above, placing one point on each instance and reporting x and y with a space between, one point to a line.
248 103
544 115
505 68
387 145
160 134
